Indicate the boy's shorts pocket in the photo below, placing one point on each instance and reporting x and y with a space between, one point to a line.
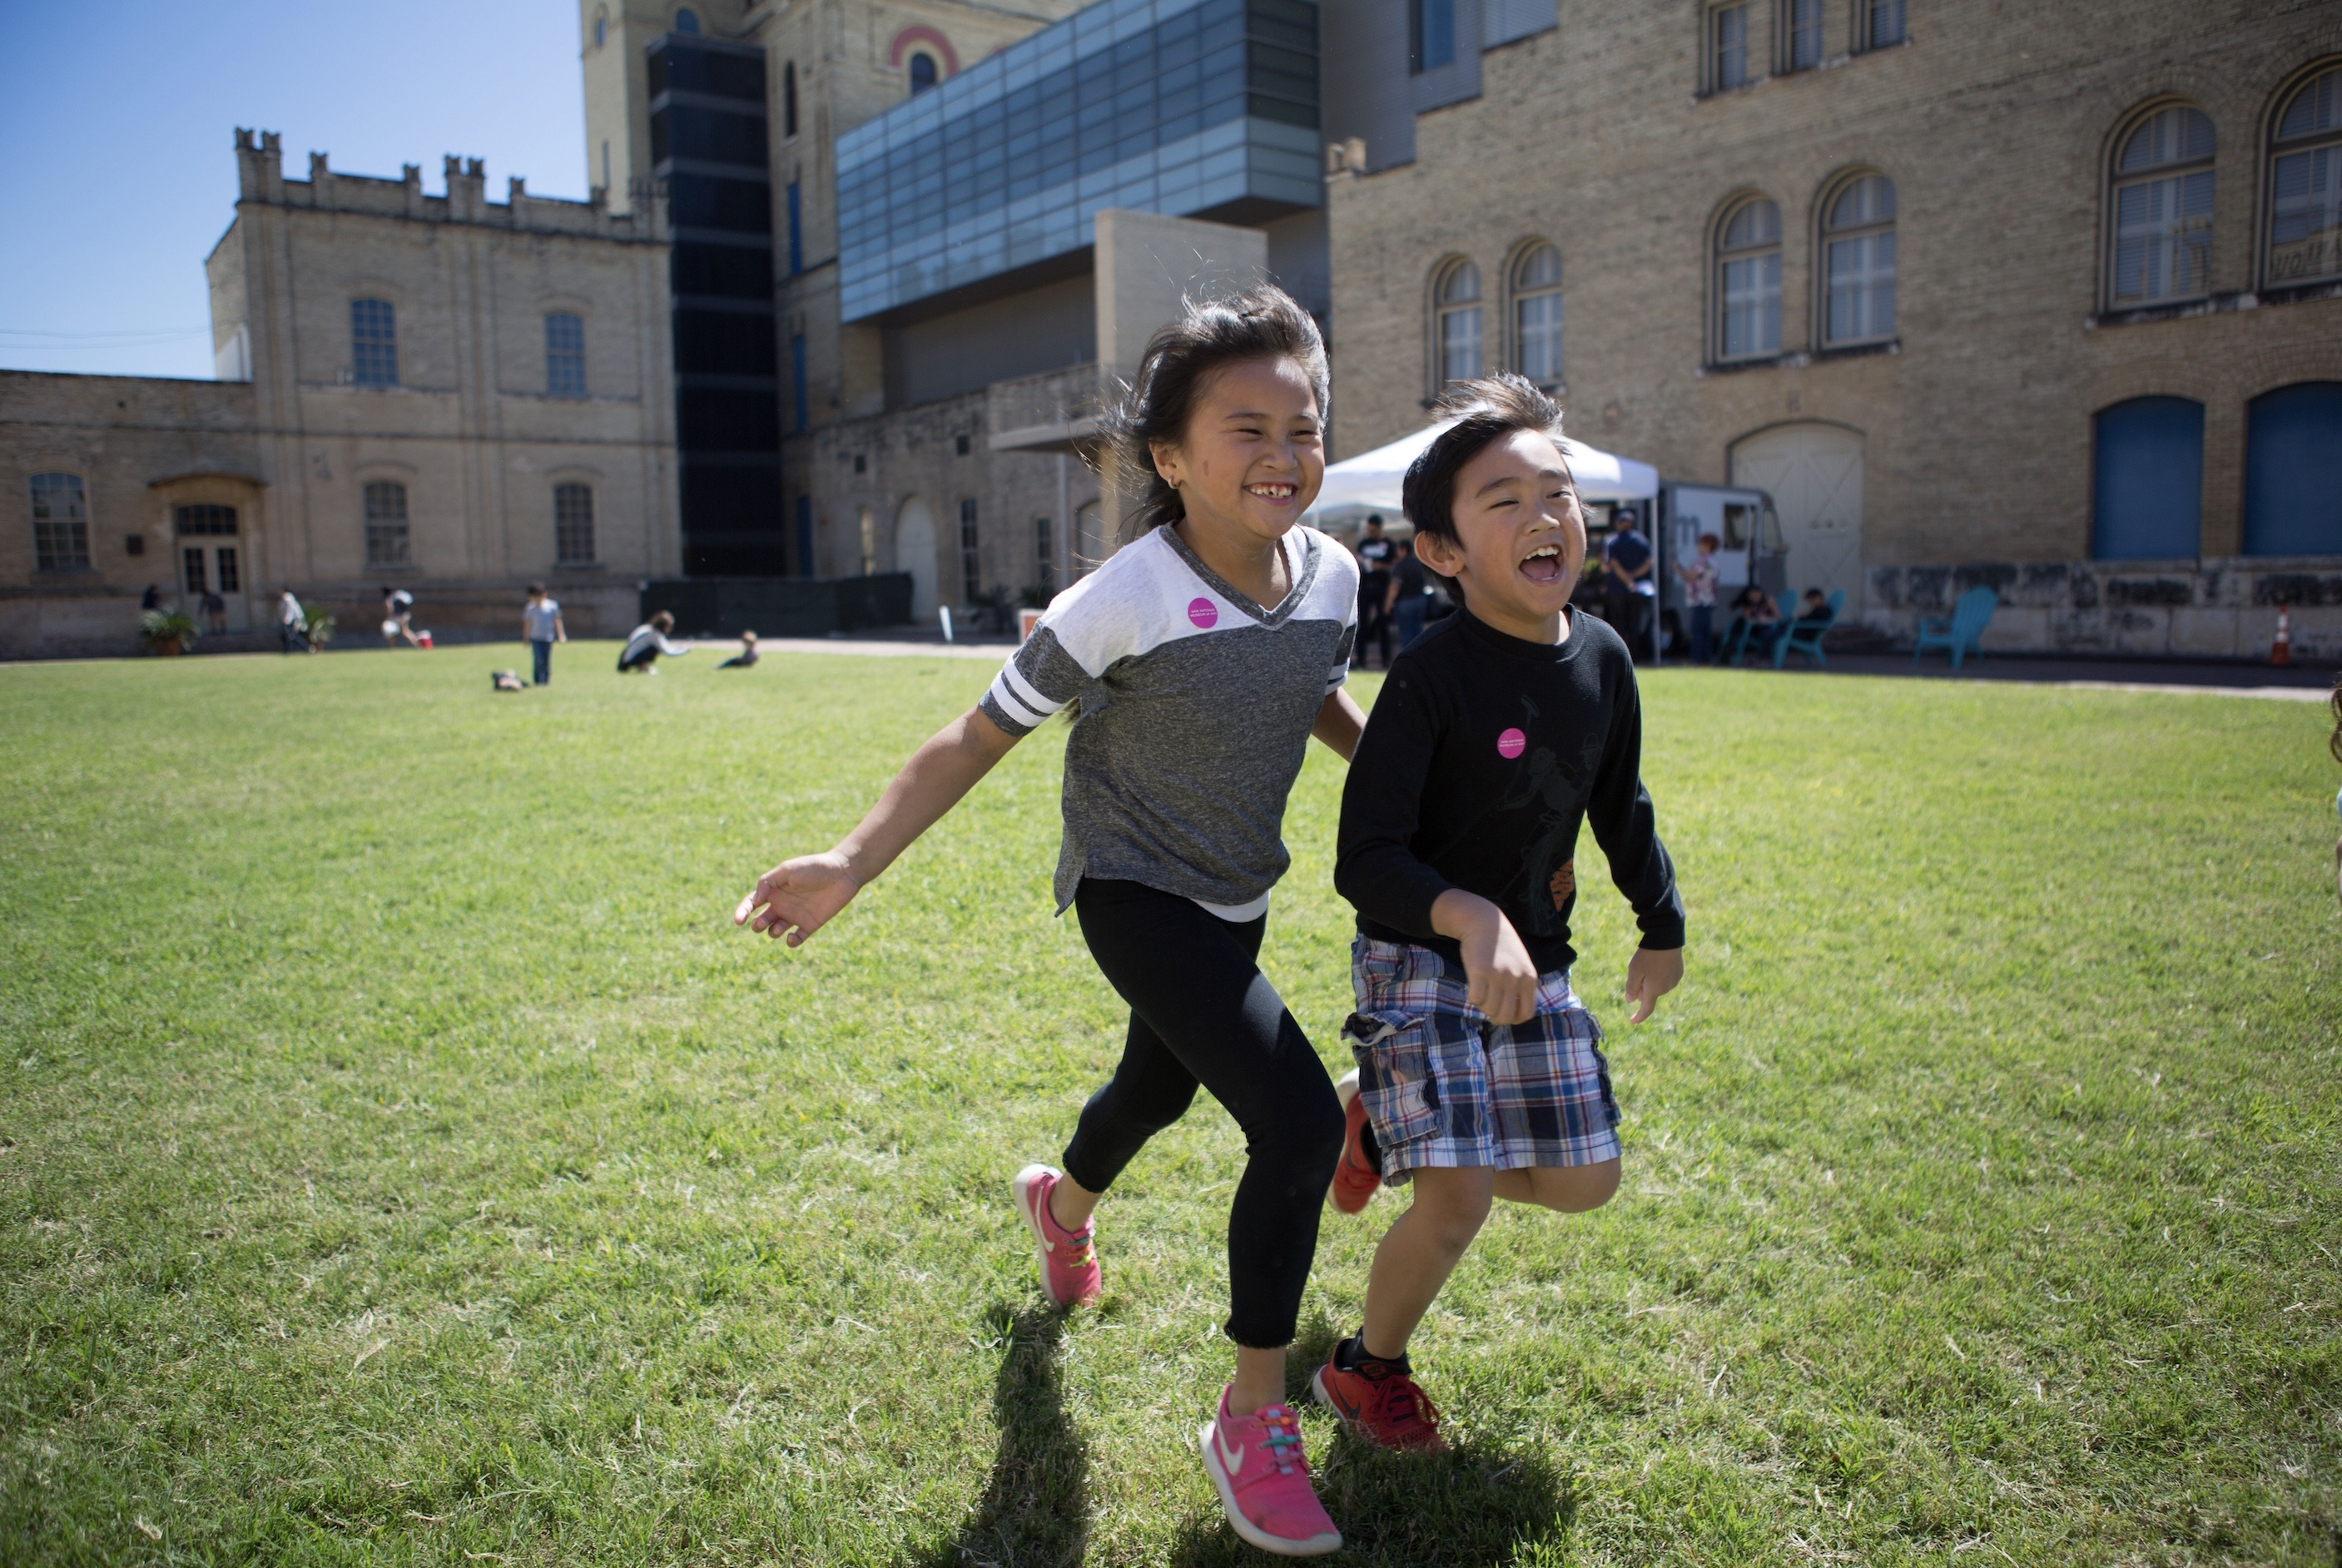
1424 1079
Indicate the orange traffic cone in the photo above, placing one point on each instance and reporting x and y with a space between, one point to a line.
2281 650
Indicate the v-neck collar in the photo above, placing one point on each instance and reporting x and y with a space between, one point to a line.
1304 572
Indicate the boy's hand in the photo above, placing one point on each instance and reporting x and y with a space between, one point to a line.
1651 974
796 897
1500 977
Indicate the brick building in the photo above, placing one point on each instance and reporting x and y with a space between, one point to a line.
2044 297
442 392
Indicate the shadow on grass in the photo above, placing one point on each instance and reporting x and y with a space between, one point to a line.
1035 1513
1482 1502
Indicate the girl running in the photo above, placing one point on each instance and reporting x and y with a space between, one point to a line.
1198 661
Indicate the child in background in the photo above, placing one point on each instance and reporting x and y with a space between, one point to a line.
645 643
1198 660
1480 1076
1699 596
540 624
746 659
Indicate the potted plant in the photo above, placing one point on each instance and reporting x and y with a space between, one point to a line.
167 632
316 628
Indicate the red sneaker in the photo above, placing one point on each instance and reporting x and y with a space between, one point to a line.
1380 1403
1355 1180
1258 1467
1068 1259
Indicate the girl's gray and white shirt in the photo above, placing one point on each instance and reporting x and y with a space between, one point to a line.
1195 709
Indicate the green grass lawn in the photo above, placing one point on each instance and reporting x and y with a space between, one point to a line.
403 1159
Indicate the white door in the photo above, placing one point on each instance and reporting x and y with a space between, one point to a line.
914 552
1814 474
211 572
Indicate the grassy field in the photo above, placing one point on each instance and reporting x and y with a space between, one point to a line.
403 1160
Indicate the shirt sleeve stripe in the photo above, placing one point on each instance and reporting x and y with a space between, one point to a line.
1005 695
1015 681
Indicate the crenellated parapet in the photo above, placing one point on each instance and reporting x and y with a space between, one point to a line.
260 171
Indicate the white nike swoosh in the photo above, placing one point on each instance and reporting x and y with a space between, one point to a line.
1230 1461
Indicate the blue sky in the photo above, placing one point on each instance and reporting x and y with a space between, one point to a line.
120 124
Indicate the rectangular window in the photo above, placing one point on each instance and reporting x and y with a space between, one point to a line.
1459 344
60 523
789 99
1885 22
1805 20
201 521
1752 307
231 580
572 524
1728 47
374 342
385 523
971 563
564 356
797 237
1861 288
2305 214
1045 555
797 380
1432 36
2162 239
191 568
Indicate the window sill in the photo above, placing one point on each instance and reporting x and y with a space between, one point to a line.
2215 304
64 574
578 568
1858 350
1759 362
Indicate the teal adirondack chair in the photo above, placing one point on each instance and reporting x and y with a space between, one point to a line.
1961 633
1806 637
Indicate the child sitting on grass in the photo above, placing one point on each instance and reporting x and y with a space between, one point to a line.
1479 1075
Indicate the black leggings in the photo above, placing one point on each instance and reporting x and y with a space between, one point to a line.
1202 1011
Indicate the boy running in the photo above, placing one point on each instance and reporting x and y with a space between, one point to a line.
1479 1075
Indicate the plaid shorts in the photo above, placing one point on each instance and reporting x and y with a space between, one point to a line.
1443 1086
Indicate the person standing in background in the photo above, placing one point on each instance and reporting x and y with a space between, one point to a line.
215 611
1408 599
398 616
1626 584
540 623
152 599
1375 553
291 624
1699 596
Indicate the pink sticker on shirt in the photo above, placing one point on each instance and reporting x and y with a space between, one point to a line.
1204 613
1511 744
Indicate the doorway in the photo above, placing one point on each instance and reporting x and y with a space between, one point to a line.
211 562
1814 473
914 552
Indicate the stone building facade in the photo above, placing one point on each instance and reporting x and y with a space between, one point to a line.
2045 298
442 392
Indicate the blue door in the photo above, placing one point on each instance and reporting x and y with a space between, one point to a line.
2147 500
2293 471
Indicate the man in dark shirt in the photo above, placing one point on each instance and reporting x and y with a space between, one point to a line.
1408 598
1627 584
1375 553
1499 733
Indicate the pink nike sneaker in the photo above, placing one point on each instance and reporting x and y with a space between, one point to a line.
1257 1463
1069 1266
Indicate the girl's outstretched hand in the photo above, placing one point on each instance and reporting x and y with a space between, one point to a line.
796 897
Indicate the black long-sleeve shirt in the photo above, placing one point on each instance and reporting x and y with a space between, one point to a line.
1483 755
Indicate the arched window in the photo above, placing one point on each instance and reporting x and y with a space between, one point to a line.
1858 257
1459 323
564 354
60 523
2162 209
1748 281
923 74
2146 492
789 99
687 20
1537 316
374 342
2304 241
572 524
385 523
2293 450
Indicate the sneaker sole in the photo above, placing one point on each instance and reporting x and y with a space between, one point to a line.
1317 1392
1250 1533
1345 1090
1022 1186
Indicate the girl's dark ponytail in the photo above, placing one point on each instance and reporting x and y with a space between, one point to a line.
1261 324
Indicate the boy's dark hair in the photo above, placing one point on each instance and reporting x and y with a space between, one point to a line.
1261 324
662 621
537 587
1485 411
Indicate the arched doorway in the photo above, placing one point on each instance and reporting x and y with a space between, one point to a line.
1814 474
914 552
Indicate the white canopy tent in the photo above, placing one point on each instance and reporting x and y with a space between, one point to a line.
1371 478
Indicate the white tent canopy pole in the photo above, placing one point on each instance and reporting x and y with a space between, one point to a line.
1373 478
